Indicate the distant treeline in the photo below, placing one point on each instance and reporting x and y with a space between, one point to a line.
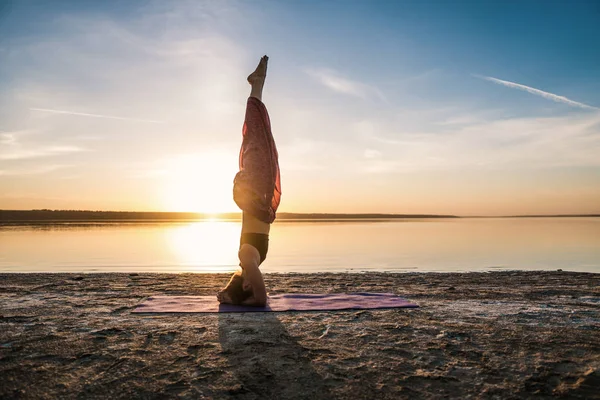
45 215
87 215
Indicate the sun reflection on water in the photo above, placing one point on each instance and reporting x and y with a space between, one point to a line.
209 246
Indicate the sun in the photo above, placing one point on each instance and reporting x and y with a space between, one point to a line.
205 246
200 183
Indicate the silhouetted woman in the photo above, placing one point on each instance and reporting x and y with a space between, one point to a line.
257 191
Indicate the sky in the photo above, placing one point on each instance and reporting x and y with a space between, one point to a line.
464 108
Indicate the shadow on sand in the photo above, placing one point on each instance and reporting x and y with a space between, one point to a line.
266 360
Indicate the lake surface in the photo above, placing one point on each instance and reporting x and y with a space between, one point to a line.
424 245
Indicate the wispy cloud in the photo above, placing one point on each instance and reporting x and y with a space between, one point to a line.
20 154
460 120
7 138
94 115
36 170
370 153
12 148
336 82
514 143
538 92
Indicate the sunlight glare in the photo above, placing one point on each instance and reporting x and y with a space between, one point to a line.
206 246
201 183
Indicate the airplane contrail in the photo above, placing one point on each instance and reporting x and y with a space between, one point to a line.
95 115
538 92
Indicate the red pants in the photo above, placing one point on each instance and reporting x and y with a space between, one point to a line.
257 187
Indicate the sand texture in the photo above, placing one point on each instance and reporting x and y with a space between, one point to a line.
476 335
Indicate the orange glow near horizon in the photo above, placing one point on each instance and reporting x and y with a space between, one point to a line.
210 246
200 183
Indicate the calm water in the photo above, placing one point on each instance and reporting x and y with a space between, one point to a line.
572 244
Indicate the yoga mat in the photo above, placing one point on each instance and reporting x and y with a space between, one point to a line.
278 302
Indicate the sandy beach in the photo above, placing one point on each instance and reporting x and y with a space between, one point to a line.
475 335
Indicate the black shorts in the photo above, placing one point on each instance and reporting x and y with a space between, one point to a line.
260 241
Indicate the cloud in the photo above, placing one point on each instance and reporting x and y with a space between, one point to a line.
370 153
7 138
546 95
460 120
94 115
334 81
12 147
35 170
501 144
16 153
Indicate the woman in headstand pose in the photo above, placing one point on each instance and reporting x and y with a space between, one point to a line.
257 191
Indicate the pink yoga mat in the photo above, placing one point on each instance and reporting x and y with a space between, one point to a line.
278 302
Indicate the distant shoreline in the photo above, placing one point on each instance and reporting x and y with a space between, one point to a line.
48 216
15 216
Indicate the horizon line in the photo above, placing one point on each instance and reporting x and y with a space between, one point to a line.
191 215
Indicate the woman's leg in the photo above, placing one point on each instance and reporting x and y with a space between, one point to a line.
256 79
249 255
257 187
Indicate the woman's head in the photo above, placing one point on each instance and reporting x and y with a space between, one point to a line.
238 289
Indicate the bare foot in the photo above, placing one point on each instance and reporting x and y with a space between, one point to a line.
260 73
223 297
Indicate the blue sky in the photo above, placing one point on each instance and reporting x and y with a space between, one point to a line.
442 107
